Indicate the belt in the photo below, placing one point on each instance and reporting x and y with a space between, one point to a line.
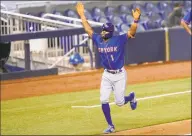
114 71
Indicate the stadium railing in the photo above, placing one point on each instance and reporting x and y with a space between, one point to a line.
52 49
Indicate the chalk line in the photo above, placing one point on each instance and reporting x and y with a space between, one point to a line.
138 99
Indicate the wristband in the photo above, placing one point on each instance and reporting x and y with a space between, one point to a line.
136 21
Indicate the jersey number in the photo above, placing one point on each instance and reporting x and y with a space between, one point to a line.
112 58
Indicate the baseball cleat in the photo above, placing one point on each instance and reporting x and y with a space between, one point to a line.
133 102
110 129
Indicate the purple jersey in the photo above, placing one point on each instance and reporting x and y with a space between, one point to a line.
112 51
187 17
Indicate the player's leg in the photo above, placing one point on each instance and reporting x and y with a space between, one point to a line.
105 92
120 90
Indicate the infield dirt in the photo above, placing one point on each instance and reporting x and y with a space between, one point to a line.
82 81
173 128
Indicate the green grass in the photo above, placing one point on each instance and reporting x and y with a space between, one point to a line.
52 114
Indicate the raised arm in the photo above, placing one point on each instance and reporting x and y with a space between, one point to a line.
86 25
136 15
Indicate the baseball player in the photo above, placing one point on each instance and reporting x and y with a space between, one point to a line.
111 50
186 21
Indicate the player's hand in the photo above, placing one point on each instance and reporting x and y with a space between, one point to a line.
80 8
136 14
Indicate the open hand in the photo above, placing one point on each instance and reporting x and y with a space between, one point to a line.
136 14
80 8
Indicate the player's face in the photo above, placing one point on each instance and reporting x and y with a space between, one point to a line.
103 33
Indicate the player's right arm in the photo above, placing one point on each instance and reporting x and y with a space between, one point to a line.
86 25
185 22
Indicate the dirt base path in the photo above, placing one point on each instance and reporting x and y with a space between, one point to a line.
173 128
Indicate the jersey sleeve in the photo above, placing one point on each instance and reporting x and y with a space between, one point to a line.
187 17
124 37
95 38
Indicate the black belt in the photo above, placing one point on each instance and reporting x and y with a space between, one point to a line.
114 71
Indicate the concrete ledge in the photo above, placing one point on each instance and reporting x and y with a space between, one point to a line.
28 74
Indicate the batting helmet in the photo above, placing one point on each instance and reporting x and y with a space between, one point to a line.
108 27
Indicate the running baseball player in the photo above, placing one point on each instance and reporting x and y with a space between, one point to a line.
111 50
186 21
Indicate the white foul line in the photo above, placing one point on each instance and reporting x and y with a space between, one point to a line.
139 99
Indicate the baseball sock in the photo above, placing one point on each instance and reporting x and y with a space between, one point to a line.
107 113
127 99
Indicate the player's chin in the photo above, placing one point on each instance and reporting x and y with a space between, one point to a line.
103 36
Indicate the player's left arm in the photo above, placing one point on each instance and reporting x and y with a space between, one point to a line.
136 15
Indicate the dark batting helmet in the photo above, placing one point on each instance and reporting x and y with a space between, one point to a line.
108 27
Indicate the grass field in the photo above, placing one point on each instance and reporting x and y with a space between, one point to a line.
53 114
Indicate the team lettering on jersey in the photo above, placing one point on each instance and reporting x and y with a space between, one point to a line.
108 49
